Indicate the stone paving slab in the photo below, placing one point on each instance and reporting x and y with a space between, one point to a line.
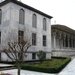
25 72
69 69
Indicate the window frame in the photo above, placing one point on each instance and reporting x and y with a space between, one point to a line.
44 40
34 21
44 24
0 56
21 16
34 39
33 55
20 35
0 16
0 37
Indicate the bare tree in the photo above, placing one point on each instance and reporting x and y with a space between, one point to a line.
16 51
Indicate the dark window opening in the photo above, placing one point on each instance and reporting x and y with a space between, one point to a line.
0 56
33 55
0 16
44 40
20 36
33 39
0 37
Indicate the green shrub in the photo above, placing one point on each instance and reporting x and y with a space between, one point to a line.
41 55
54 69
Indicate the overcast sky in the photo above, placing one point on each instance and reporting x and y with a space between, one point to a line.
63 11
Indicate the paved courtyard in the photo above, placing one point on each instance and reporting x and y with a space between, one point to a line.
25 72
68 70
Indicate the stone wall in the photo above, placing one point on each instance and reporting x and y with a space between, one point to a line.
10 25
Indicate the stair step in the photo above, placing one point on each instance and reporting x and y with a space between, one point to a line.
7 68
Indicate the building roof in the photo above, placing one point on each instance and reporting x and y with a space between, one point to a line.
25 6
63 28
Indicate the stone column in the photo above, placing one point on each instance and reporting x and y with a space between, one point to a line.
68 41
72 41
64 39
54 39
60 38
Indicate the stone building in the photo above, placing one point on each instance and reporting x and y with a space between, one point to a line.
15 18
63 40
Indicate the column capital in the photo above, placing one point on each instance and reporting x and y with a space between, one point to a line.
54 31
71 36
68 36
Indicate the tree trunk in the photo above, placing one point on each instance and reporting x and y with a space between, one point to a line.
19 70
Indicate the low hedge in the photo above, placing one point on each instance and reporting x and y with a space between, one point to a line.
39 69
54 69
62 65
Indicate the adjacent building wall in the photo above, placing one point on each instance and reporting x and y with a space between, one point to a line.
63 41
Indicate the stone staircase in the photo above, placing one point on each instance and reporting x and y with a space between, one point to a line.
7 68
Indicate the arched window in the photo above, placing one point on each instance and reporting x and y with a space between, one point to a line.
21 16
0 16
44 24
34 21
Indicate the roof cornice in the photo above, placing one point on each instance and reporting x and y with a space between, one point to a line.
63 28
25 6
